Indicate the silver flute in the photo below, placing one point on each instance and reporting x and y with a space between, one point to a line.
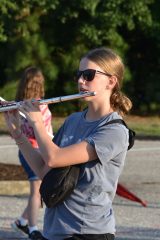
4 107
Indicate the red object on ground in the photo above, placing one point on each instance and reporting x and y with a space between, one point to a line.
125 193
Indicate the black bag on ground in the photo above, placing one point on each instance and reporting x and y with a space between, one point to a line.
59 183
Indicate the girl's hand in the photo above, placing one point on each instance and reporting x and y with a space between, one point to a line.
31 111
13 121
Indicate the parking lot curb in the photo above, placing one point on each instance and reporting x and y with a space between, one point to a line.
14 187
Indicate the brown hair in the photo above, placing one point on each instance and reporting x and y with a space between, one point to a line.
112 64
31 84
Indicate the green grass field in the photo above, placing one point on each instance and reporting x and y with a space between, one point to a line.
143 126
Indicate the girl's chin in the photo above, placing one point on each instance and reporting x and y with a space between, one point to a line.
88 99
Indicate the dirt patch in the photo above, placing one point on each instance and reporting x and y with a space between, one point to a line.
11 172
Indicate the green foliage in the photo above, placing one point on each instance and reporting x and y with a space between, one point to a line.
8 91
54 34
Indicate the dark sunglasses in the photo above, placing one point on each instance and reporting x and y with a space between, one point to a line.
89 74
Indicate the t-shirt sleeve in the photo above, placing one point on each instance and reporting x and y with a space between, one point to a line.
109 141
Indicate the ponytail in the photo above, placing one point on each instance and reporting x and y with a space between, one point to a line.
120 102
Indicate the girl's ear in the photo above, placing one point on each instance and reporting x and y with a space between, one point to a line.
112 82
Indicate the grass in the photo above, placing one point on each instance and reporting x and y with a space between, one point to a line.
143 126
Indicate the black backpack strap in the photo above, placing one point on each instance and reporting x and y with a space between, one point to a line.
132 134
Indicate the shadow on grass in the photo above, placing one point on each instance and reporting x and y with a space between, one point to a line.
4 132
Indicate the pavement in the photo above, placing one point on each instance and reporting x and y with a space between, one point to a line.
140 176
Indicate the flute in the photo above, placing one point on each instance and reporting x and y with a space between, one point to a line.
14 105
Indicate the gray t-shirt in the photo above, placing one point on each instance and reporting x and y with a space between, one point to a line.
88 210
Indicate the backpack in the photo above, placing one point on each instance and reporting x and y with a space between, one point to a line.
59 183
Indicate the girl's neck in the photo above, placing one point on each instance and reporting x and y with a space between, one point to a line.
94 114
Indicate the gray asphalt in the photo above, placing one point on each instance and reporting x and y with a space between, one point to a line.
140 176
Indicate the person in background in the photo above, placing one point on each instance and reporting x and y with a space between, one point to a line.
31 86
83 139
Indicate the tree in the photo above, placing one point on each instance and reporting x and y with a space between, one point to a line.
54 34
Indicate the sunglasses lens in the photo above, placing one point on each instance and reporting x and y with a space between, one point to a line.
89 74
78 75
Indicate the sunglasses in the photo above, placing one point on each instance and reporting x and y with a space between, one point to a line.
89 74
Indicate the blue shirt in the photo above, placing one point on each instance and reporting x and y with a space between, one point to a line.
88 210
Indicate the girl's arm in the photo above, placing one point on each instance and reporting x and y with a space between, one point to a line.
33 157
53 155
